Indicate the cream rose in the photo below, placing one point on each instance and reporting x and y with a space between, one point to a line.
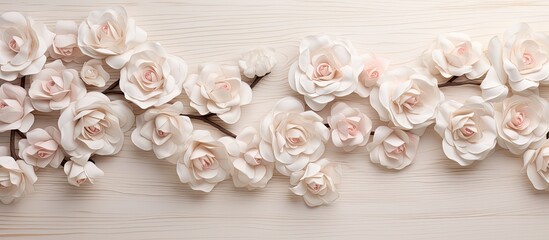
152 77
350 127
205 162
55 87
15 108
23 45
317 182
79 174
292 136
406 98
393 148
325 69
536 164
163 130
107 34
218 89
65 46
250 170
454 54
257 62
94 74
42 147
468 130
522 122
521 62
16 177
94 125
374 67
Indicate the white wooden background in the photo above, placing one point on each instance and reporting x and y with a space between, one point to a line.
141 197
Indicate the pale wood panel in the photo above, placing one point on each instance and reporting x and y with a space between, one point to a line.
140 197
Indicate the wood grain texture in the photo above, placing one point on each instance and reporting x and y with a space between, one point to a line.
141 197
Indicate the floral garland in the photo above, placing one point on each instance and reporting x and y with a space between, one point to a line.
290 139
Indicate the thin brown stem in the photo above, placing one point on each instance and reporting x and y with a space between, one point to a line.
450 84
22 82
212 123
113 91
257 79
112 86
13 153
328 126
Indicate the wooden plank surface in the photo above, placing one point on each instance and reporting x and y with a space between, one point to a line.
141 197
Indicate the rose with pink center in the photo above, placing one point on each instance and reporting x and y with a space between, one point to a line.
374 67
292 137
152 77
79 174
522 122
317 182
15 108
393 148
204 163
326 68
24 44
454 54
468 130
110 34
407 98
55 87
218 89
163 130
42 147
350 127
520 62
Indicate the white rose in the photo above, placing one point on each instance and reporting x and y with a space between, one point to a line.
79 174
536 164
42 147
406 98
325 69
374 67
15 108
350 127
107 34
521 62
94 125
218 89
454 54
16 177
250 169
522 122
55 87
94 74
257 62
292 136
393 148
468 130
163 130
317 182
65 46
152 77
205 162
23 45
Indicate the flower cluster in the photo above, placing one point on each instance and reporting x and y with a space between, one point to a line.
290 140
90 123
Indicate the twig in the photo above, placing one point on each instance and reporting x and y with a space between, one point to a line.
257 79
212 123
371 132
113 92
13 153
112 86
22 82
452 83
